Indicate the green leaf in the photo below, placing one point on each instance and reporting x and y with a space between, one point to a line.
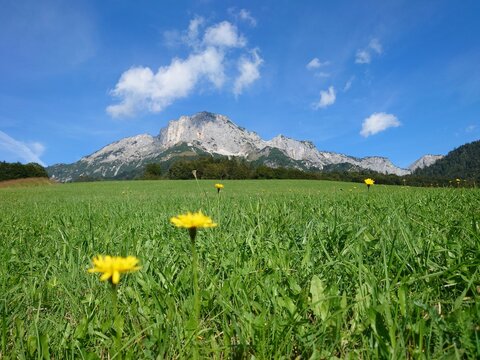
319 303
44 346
32 345
81 329
287 303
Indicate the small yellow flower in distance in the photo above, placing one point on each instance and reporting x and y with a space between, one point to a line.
113 266
369 181
458 180
219 186
192 220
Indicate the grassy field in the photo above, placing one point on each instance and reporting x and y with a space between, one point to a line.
295 269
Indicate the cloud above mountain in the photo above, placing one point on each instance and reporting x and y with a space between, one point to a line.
364 56
378 122
249 71
243 15
20 151
315 63
209 63
327 98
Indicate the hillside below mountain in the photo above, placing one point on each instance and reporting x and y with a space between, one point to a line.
462 162
206 133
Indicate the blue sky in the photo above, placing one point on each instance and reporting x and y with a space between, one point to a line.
391 78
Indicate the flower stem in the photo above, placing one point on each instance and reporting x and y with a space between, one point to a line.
114 301
117 323
196 292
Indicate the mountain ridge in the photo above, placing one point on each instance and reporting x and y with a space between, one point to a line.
214 134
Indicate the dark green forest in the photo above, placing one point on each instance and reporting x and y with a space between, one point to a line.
224 169
462 162
11 171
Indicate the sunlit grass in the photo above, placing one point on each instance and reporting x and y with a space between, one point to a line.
294 268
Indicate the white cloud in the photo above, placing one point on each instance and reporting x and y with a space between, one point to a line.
246 16
327 98
322 74
191 37
143 89
140 88
242 15
315 63
30 152
378 122
364 56
224 34
249 72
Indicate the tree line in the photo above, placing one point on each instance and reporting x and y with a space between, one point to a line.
225 169
12 171
462 162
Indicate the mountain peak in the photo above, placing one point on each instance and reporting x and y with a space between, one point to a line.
425 161
205 115
207 132
214 132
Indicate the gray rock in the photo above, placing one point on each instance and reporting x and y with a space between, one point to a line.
424 161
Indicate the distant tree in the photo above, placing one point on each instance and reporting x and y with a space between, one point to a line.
10 171
208 167
152 171
181 170
462 162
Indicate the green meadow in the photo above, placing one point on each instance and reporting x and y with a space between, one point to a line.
294 270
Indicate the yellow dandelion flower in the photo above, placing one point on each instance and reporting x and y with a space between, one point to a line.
219 187
192 220
113 266
369 181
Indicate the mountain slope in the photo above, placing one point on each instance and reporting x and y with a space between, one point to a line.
462 162
207 133
424 161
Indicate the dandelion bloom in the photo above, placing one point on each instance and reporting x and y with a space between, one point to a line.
219 187
113 266
192 221
369 181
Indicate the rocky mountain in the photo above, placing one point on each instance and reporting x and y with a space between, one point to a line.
425 161
207 133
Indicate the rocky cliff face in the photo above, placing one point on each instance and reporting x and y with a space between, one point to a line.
424 161
214 133
205 132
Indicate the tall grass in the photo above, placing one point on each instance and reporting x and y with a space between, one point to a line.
295 269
